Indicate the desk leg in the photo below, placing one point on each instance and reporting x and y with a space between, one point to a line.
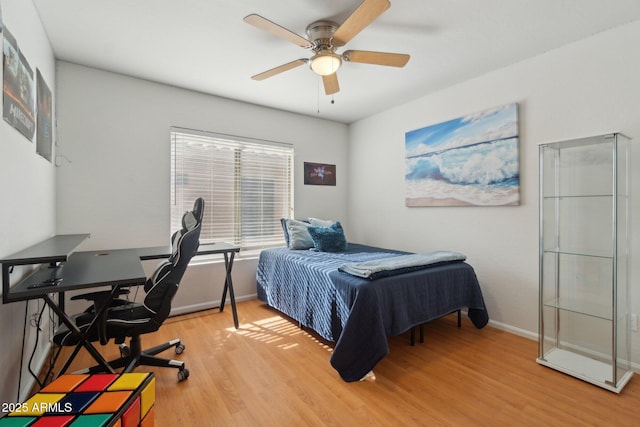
228 285
61 299
61 304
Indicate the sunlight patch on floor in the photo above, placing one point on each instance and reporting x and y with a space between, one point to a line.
273 330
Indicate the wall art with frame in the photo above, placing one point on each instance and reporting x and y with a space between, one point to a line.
319 174
469 161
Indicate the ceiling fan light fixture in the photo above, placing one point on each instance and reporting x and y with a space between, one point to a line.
325 63
324 37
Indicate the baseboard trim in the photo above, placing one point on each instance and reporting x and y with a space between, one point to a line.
208 305
533 336
634 366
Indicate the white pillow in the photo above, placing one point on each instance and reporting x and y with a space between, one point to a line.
321 222
299 237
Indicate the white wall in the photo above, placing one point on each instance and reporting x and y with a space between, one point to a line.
114 130
590 87
27 186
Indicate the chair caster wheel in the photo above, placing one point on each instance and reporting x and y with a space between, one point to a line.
183 374
125 351
179 348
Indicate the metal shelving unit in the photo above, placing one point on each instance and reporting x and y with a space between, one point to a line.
584 259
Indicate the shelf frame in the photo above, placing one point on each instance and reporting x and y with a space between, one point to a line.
555 349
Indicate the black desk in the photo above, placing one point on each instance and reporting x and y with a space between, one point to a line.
226 249
82 270
63 271
52 251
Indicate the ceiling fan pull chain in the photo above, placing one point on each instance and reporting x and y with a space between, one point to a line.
318 95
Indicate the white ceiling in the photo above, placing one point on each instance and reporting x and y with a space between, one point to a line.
205 46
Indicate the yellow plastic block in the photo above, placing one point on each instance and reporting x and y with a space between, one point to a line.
65 383
38 404
148 397
129 381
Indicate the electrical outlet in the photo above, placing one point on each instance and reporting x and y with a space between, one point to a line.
634 322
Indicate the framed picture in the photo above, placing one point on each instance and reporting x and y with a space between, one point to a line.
44 138
319 174
469 161
18 88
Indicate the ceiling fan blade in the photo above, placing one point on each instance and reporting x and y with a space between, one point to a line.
364 15
331 85
377 58
275 29
280 69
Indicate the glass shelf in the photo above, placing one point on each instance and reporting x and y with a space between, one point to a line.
577 196
582 252
591 308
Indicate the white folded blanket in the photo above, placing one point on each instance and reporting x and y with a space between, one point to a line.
384 267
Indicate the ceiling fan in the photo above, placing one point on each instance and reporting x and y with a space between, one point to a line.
323 37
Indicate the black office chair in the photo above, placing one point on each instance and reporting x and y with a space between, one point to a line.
125 318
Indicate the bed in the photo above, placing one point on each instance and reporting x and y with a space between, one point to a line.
359 314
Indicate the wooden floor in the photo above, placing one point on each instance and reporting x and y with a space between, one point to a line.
271 373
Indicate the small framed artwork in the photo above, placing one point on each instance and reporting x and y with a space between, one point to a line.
319 174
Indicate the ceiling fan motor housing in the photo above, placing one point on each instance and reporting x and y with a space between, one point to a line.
320 33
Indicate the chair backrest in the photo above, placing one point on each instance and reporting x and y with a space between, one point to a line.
162 286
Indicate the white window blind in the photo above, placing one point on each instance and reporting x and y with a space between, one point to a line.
247 186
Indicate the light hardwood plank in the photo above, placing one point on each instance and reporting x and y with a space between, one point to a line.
270 372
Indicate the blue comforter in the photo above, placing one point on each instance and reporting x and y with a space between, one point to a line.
358 314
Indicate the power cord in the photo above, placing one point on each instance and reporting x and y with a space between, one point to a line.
35 347
24 334
53 355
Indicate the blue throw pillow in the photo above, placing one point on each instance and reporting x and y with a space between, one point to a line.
328 239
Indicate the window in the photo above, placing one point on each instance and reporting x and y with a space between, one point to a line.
247 186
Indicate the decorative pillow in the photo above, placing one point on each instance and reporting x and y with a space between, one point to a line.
283 222
299 237
328 239
321 222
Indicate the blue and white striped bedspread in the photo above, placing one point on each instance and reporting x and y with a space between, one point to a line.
359 314
298 283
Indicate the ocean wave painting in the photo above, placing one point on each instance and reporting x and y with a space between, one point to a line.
469 161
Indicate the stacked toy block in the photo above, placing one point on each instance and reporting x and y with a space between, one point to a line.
82 400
